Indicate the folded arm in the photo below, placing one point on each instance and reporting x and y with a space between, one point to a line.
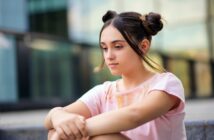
77 107
68 122
154 105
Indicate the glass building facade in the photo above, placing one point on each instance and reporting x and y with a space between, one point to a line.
48 48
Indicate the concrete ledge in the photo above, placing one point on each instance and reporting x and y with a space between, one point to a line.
23 133
200 130
196 130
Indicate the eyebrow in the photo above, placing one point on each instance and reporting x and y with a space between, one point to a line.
114 41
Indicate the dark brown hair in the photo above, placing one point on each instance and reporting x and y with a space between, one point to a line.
135 27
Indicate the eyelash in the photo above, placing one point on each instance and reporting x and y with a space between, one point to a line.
116 47
104 48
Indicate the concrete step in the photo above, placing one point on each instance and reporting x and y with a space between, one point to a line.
28 125
200 130
196 130
23 133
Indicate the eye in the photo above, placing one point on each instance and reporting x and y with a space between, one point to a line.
104 49
118 46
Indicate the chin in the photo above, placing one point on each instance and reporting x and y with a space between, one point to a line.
115 73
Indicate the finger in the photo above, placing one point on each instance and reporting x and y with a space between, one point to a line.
75 130
61 133
55 136
82 127
50 134
82 118
85 138
67 130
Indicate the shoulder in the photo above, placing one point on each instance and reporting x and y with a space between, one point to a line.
105 85
167 75
167 78
93 98
169 83
101 88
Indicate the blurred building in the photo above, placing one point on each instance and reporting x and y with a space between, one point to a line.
48 48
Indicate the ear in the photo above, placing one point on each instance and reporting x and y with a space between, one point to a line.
144 46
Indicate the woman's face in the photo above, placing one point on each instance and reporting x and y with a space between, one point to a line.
119 57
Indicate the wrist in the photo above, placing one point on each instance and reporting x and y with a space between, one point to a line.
48 119
53 111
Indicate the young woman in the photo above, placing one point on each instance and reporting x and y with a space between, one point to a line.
144 104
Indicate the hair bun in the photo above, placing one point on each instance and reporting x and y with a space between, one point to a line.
154 23
109 15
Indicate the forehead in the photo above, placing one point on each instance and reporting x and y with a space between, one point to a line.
110 33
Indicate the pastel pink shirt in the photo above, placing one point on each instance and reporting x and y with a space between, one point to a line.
170 126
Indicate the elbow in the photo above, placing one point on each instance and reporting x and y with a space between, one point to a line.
46 124
48 119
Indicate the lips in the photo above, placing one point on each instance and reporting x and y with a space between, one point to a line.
112 65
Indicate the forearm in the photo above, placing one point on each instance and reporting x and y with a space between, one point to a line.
48 122
131 116
75 108
113 121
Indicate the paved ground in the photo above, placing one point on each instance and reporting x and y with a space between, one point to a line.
195 110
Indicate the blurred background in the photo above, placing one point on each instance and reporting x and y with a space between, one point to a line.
49 48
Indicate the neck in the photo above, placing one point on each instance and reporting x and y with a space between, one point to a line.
134 78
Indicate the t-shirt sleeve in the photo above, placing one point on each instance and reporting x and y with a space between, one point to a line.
170 84
92 99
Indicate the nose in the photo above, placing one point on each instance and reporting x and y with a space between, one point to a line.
110 54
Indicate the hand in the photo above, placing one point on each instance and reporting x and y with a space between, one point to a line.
69 126
53 135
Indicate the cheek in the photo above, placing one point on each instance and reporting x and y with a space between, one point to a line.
129 56
130 60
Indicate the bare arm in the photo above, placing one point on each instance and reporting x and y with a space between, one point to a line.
68 122
154 105
76 108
